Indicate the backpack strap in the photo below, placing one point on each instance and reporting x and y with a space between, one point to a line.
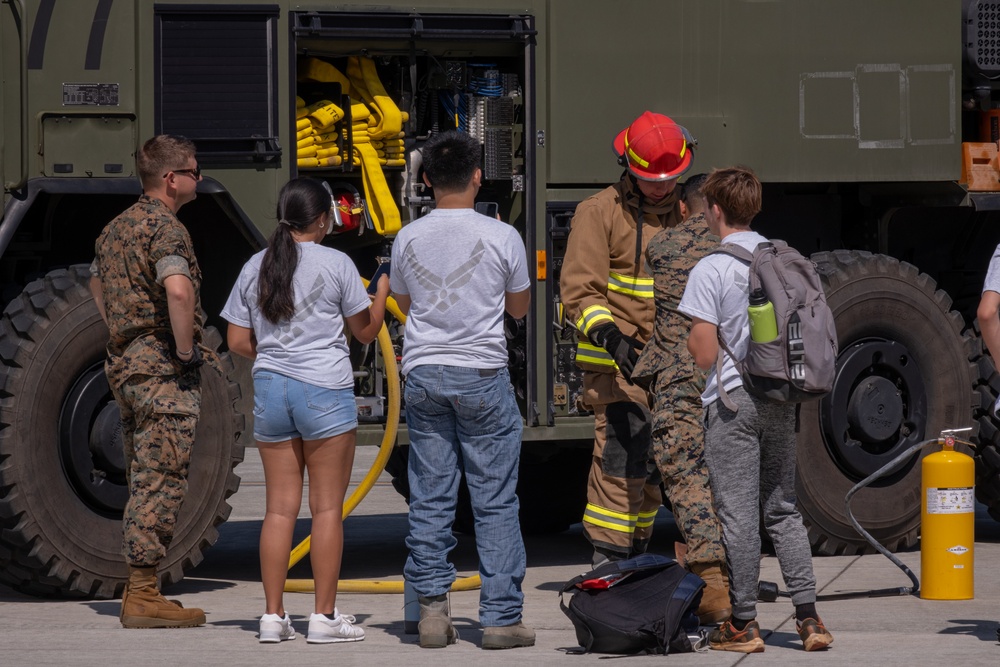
740 253
734 250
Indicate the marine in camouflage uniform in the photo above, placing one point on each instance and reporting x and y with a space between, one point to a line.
676 383
159 399
146 281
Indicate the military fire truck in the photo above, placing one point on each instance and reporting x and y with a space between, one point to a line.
872 124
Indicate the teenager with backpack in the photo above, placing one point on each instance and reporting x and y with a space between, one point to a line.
750 451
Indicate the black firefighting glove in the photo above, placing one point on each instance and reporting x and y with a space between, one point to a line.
194 362
623 349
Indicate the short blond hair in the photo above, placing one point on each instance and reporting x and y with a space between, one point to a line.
161 154
736 191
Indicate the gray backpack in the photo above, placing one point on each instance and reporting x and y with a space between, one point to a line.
800 364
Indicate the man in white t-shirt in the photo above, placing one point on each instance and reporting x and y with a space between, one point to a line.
454 273
750 451
989 313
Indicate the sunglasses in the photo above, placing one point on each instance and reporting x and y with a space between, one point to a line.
196 172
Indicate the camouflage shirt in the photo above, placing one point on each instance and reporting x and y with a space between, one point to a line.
670 256
128 251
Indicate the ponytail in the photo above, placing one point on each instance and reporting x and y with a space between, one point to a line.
300 202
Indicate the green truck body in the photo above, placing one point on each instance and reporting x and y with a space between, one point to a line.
855 114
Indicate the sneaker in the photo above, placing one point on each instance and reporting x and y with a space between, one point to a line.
727 638
508 636
324 630
814 634
274 629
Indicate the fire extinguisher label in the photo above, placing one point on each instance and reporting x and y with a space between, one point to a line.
960 500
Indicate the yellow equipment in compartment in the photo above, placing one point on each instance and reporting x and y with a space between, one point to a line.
947 513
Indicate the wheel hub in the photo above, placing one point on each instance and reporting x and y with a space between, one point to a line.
91 443
877 407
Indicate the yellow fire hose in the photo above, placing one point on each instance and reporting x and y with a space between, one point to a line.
388 442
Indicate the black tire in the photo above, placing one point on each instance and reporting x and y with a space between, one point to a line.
62 484
987 454
905 372
551 488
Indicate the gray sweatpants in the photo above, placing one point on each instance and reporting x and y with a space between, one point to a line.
751 467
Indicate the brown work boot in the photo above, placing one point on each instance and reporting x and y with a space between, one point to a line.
144 607
435 626
715 606
508 636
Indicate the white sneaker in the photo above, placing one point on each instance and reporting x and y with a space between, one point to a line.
275 629
324 630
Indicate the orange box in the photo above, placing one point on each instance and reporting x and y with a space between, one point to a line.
980 169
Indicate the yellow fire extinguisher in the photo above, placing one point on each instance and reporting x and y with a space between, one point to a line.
947 513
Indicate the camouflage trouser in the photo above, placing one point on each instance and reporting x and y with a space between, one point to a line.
159 416
679 451
622 498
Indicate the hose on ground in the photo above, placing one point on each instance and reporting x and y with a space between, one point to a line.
768 591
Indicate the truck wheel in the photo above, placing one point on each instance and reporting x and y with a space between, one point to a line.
903 374
987 454
551 490
62 473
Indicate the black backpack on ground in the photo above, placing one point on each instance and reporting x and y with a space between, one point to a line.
644 604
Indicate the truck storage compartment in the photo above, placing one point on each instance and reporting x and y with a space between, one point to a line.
371 88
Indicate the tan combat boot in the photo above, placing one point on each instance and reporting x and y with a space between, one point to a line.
144 607
508 636
715 606
435 626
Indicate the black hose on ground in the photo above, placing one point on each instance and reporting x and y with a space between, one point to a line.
767 591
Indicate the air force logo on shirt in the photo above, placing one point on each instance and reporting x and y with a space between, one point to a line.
443 292
303 311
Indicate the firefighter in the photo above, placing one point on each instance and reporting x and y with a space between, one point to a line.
609 295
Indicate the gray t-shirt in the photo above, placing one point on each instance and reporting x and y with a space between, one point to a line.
456 265
311 347
718 291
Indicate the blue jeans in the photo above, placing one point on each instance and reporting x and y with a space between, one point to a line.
465 419
286 408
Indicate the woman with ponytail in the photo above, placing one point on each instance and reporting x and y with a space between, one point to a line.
287 312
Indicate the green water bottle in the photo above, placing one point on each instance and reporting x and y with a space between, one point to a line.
763 325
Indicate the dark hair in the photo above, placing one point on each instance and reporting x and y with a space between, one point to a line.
691 188
737 192
450 159
300 202
161 154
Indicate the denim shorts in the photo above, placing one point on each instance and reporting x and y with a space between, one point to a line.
284 408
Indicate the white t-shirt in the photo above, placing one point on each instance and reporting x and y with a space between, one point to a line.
717 291
311 346
456 266
992 284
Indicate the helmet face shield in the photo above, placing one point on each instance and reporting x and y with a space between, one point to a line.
655 148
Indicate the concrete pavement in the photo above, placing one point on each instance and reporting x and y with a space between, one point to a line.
884 631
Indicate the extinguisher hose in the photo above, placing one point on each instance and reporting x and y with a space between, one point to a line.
768 591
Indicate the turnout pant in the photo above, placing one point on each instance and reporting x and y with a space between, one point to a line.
623 492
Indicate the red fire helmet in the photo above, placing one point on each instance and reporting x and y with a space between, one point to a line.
654 148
